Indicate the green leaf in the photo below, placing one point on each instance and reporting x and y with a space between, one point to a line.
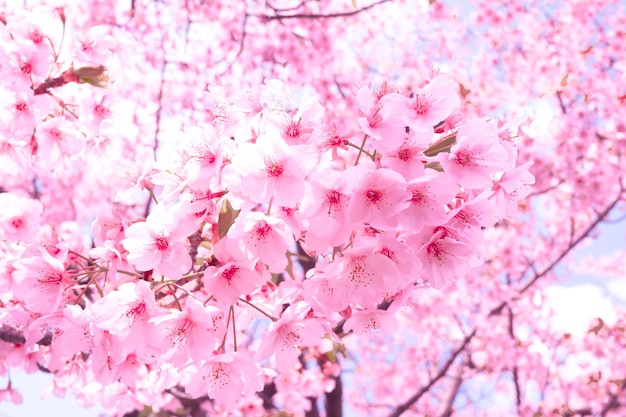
597 327
226 218
441 146
146 412
434 165
95 76
464 91
338 348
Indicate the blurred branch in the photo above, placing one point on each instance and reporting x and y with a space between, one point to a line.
601 216
458 381
242 39
442 372
518 391
334 400
323 16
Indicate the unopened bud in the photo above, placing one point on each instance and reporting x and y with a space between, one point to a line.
61 12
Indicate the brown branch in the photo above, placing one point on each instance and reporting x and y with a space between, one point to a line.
285 9
539 274
604 213
458 381
334 400
561 103
613 400
241 45
323 16
518 391
442 372
11 335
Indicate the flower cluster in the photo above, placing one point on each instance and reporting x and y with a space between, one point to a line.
269 232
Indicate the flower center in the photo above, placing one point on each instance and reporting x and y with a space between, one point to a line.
161 243
261 230
374 196
230 273
422 103
274 169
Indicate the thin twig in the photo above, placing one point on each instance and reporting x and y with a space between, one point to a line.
324 16
442 372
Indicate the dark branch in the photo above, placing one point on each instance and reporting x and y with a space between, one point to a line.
458 381
442 372
324 16
539 274
334 400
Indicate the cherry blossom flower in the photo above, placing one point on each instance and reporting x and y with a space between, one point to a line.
56 138
159 243
429 195
134 174
408 158
204 165
304 124
428 105
125 313
360 274
366 321
380 123
268 170
378 197
325 206
226 377
69 332
264 238
188 334
19 220
512 187
442 256
476 155
291 331
40 282
10 394
232 279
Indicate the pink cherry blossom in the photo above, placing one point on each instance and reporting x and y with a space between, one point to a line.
192 333
285 336
10 394
267 170
232 279
40 283
325 206
226 377
263 238
428 106
378 197
159 243
20 219
443 256
476 155
360 274
366 321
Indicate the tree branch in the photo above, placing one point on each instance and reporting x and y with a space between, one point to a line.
324 16
458 381
442 372
334 400
539 274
